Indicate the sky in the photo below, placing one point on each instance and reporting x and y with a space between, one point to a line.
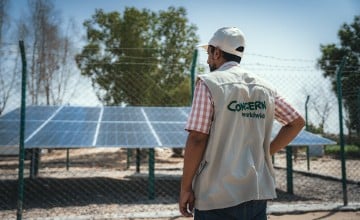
278 30
285 29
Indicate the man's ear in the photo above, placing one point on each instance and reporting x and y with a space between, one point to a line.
217 53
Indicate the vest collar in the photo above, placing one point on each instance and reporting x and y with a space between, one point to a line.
227 65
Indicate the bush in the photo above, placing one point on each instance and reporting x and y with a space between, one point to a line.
351 151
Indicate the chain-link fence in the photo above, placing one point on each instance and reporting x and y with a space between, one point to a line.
115 181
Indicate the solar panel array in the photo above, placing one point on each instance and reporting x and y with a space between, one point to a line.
110 126
73 127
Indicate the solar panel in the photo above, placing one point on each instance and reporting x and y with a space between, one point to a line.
115 113
171 133
165 114
9 131
110 126
304 138
126 133
57 134
71 113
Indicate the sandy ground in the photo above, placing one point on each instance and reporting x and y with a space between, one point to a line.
98 184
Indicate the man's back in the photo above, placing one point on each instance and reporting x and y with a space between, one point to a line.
238 163
227 153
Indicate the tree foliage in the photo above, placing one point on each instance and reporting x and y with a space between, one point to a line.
332 54
315 129
139 57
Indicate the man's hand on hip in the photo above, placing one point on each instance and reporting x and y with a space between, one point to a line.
186 203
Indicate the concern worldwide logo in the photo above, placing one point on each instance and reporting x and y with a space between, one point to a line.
236 106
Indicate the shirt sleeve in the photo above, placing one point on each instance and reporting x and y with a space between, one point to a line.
284 112
202 110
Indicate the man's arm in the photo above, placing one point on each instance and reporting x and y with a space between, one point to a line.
286 134
194 151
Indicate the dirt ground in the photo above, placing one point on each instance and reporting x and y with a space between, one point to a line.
319 215
309 216
355 215
99 183
329 215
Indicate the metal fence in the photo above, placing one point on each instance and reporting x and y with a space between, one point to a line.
113 182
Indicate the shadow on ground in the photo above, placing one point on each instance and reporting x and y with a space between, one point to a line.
68 192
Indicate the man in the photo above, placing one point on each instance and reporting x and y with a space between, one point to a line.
227 171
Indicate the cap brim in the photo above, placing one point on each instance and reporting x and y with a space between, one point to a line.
205 47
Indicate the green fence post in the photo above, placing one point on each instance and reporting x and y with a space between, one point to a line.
289 170
151 183
192 75
358 108
307 129
22 135
342 148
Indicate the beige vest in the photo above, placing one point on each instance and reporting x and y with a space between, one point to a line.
237 164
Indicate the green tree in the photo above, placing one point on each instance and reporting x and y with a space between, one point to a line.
177 46
332 54
140 57
316 129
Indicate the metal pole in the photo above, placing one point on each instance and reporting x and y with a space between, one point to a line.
37 161
151 174
34 162
129 155
193 69
67 159
138 160
22 135
289 170
306 113
307 128
358 107
342 145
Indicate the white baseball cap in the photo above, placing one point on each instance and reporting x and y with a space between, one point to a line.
229 39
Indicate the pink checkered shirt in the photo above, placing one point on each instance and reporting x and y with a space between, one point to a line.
201 114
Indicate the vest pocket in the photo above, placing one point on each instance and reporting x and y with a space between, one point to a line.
201 167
